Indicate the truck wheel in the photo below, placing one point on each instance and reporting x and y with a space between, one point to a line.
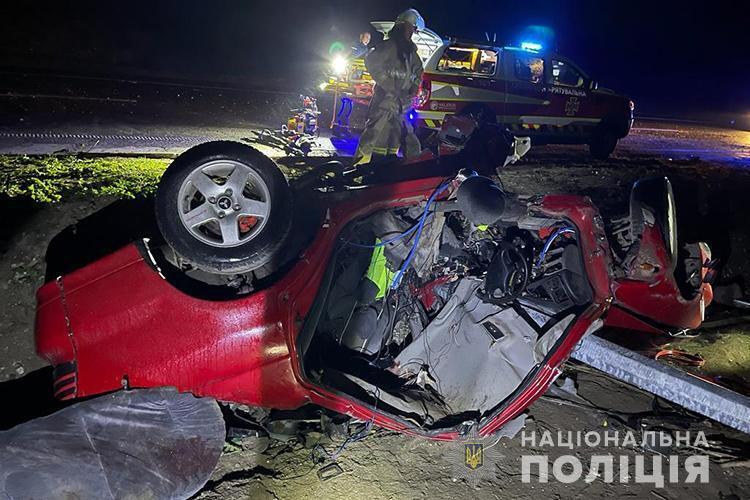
602 145
224 207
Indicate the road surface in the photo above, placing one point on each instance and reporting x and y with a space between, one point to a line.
58 113
681 141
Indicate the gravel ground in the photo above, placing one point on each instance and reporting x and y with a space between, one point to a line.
22 272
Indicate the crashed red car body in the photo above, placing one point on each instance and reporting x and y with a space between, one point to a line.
119 323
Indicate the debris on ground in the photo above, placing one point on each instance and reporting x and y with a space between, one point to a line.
388 465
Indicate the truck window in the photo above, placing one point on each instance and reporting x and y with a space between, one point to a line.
529 68
468 60
565 74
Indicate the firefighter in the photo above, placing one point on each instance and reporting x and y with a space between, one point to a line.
397 70
361 47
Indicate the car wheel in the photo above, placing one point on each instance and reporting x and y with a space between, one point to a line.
224 207
602 145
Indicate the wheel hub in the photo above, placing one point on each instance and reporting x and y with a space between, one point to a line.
224 203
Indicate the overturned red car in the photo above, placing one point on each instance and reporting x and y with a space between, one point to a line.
416 295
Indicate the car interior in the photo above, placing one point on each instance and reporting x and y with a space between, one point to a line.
457 333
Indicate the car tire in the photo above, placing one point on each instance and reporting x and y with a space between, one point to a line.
214 227
655 196
602 145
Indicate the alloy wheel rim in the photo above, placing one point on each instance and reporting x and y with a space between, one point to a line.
224 203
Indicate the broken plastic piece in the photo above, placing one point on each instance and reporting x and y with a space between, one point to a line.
330 471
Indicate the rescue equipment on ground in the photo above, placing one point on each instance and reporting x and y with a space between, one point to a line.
297 136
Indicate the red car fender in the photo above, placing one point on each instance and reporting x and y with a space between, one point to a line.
132 328
655 303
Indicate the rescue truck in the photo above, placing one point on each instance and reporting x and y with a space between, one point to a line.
533 93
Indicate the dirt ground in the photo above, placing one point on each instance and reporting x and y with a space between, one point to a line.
387 465
711 207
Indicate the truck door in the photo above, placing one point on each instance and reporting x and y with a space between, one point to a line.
569 98
526 105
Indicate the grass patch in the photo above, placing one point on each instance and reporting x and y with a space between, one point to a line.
726 351
50 179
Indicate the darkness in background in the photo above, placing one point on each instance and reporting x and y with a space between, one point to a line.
672 58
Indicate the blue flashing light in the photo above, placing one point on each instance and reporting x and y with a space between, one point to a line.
411 115
531 46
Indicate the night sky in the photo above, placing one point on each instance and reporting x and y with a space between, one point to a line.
672 58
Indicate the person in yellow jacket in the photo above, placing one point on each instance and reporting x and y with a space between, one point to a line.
397 70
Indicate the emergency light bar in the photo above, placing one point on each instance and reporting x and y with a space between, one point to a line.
531 46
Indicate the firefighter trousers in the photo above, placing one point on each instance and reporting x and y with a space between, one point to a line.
386 132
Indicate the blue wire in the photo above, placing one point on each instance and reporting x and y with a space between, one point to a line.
548 243
419 226
385 242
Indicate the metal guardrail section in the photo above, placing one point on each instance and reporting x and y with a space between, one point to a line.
697 395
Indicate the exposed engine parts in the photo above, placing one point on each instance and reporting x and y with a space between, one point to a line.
541 269
493 293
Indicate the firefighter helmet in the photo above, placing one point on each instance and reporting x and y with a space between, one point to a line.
411 17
